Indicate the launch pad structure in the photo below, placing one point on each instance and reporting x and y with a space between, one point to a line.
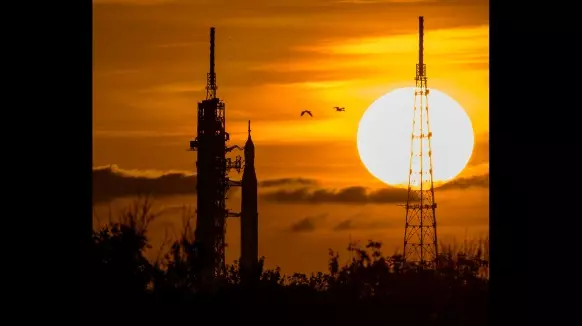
213 167
213 183
420 235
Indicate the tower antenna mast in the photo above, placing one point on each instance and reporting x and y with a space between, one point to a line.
420 233
211 76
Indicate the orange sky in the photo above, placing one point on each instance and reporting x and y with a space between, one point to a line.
275 58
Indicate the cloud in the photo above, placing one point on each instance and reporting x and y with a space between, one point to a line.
351 224
111 182
453 43
117 72
480 181
349 195
287 181
344 225
137 134
176 88
481 150
307 224
360 195
166 46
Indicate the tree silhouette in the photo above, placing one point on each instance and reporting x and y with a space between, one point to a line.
371 287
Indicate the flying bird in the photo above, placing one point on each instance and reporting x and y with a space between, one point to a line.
306 111
338 109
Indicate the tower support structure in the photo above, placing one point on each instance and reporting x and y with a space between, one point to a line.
212 169
420 234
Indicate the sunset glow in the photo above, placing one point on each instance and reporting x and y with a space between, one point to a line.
385 129
275 59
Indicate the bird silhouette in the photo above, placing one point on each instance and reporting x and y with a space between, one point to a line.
338 109
306 111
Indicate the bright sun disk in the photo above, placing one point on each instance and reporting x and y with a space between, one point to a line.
385 130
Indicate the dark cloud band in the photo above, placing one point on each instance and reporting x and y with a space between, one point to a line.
111 182
359 195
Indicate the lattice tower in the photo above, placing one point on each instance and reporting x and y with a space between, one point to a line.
420 235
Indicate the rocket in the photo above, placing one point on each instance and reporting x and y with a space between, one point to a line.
249 216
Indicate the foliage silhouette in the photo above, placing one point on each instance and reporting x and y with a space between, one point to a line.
371 287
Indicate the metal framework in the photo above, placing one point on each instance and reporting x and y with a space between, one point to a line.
212 169
420 235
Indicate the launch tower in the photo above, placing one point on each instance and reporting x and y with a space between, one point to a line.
420 235
212 169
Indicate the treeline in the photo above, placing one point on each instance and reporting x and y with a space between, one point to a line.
371 287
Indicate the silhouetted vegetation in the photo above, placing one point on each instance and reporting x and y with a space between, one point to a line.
371 287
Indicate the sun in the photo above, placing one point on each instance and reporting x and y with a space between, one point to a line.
386 127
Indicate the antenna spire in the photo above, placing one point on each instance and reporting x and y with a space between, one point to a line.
249 128
211 78
421 46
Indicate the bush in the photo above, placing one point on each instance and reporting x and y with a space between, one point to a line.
371 287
